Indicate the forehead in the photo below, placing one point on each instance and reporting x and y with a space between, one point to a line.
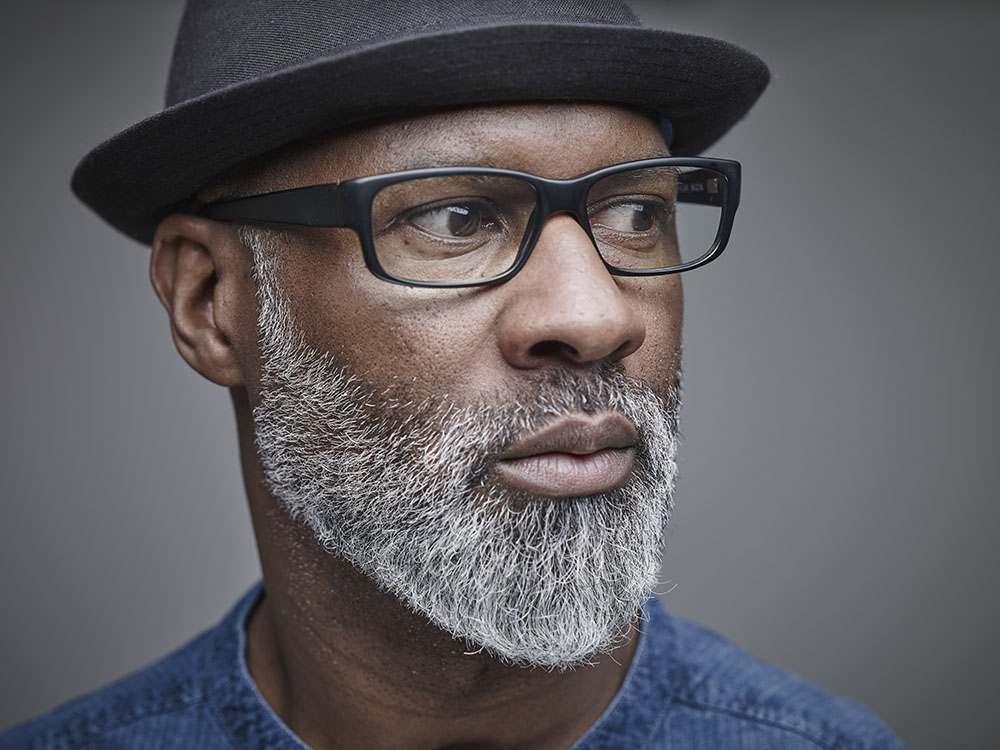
549 139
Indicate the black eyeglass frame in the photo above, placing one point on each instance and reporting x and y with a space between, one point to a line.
349 204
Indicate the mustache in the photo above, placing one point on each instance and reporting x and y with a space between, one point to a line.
495 422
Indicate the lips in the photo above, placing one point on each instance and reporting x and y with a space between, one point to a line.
574 456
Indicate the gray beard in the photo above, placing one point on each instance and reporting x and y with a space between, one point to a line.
405 492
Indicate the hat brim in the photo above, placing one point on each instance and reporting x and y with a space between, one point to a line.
704 86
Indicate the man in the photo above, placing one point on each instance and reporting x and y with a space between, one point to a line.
433 252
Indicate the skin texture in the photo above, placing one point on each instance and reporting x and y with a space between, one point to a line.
342 663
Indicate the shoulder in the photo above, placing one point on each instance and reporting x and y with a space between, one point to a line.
717 689
165 705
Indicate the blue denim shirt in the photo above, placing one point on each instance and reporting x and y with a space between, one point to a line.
686 688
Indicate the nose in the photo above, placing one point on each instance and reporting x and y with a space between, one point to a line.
565 306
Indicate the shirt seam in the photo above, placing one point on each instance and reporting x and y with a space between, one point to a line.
657 724
155 710
217 718
750 716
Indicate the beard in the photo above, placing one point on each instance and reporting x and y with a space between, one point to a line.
405 491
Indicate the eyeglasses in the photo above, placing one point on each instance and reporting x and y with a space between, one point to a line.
472 226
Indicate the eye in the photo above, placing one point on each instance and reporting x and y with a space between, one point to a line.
631 215
454 220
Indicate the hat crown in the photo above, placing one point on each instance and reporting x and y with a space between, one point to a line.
224 42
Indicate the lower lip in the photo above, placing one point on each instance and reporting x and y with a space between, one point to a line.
569 474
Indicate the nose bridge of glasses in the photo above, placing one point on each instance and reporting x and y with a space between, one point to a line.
558 197
563 196
568 199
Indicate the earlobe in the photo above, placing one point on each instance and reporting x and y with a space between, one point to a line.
185 269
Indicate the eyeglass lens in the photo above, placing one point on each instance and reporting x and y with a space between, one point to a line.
471 227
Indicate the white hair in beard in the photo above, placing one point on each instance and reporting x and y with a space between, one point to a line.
405 492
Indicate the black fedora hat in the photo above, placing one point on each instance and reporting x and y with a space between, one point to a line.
249 76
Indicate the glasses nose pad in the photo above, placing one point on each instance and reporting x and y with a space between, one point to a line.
532 228
574 202
582 217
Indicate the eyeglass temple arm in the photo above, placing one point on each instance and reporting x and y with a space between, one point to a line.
313 206
701 186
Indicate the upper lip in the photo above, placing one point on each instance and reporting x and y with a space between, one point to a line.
578 434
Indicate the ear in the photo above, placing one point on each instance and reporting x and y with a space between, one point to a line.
191 255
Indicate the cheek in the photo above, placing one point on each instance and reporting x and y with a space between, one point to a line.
428 340
660 301
438 341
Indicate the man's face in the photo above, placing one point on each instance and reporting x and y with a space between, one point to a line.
386 415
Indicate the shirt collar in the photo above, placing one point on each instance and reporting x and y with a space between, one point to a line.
636 710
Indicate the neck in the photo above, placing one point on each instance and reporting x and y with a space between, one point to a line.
345 664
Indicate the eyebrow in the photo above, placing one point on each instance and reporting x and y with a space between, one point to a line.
431 159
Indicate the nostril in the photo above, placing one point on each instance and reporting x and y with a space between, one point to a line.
553 348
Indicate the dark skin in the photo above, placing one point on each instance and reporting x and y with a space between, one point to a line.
341 662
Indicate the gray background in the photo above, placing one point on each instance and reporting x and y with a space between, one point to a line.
837 508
